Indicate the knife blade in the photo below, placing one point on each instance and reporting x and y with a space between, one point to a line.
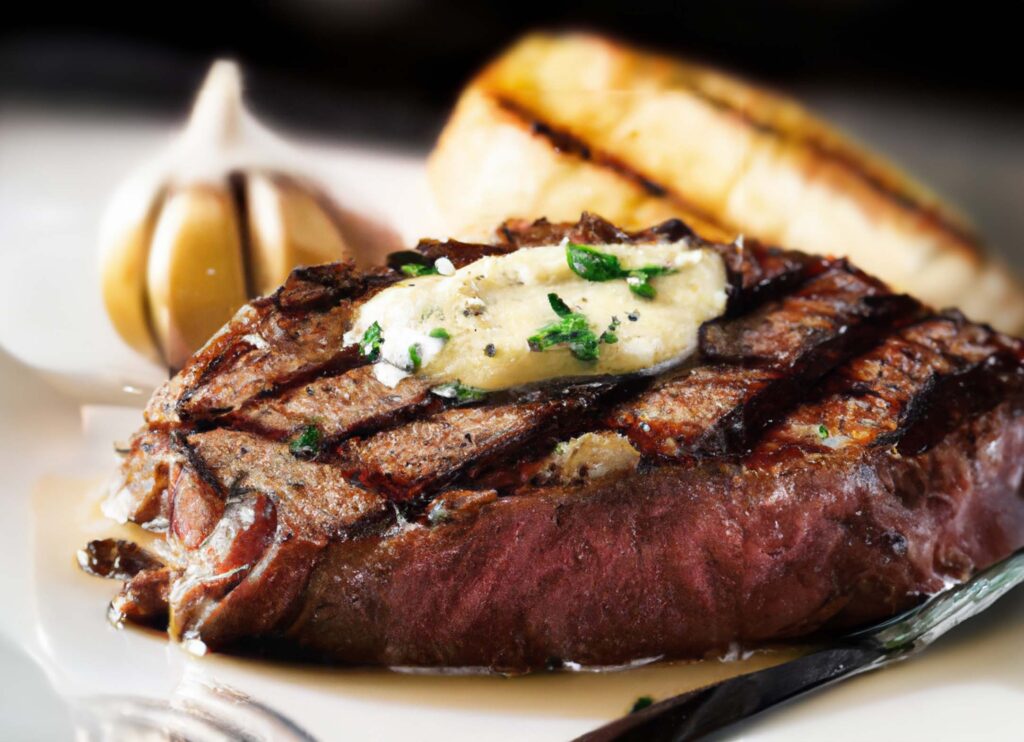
699 712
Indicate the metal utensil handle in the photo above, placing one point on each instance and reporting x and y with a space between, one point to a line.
705 710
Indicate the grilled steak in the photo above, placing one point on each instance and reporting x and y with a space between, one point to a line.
834 453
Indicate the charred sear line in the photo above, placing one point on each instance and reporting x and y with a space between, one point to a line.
456 444
514 472
844 159
907 393
758 273
180 443
947 401
571 145
221 360
762 364
338 406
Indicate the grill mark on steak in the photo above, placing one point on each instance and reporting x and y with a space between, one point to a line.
284 338
907 393
821 313
316 494
289 350
419 457
760 365
337 405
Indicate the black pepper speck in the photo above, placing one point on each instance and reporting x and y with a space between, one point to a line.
490 350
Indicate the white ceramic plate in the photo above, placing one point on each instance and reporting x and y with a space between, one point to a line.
61 663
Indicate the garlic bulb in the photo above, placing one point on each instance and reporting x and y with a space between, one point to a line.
214 221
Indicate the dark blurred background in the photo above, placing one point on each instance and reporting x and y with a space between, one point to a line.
389 69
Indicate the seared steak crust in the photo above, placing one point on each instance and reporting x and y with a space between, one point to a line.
834 453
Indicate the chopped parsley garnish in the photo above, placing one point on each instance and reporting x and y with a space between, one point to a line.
639 280
594 265
591 264
417 269
414 357
558 306
440 333
306 444
571 329
823 432
369 346
458 391
641 703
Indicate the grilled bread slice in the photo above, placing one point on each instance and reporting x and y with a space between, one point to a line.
561 124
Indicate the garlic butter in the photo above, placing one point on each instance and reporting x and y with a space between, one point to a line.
475 325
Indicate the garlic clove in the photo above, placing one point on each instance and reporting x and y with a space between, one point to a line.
123 275
290 224
195 275
215 220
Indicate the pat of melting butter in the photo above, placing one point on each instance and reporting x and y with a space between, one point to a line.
489 309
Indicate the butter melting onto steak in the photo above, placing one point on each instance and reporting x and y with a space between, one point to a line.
833 453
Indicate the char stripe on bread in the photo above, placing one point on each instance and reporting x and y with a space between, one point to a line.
834 452
564 123
568 143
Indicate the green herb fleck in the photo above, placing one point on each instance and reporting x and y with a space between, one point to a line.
609 336
306 445
440 333
414 357
641 703
369 346
417 269
558 306
593 265
458 391
572 330
823 432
